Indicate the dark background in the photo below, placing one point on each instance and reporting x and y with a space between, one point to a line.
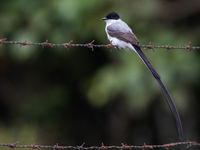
71 96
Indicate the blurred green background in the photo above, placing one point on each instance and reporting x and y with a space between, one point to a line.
71 96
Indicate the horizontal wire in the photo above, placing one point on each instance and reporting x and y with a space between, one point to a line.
187 145
91 45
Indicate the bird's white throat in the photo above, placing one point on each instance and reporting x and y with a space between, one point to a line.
111 21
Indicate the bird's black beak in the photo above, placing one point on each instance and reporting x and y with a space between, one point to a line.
104 18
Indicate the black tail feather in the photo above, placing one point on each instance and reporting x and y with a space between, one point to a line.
165 91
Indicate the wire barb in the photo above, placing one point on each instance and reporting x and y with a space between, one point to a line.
3 40
188 46
46 43
68 44
91 45
103 146
150 46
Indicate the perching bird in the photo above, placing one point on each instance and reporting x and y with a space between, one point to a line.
121 35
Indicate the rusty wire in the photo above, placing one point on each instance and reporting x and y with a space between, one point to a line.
187 145
91 45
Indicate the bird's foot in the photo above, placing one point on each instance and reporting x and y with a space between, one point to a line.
108 46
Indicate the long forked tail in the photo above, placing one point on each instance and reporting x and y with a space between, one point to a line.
165 91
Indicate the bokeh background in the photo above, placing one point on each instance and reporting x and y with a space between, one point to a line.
71 96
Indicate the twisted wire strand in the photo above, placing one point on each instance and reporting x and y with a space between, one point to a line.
91 45
187 145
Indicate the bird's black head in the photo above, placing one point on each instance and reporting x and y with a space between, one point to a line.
111 15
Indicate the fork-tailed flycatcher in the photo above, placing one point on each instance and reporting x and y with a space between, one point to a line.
121 35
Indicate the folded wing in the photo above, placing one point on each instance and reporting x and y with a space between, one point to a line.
122 32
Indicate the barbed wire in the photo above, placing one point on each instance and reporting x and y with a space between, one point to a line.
91 45
187 145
